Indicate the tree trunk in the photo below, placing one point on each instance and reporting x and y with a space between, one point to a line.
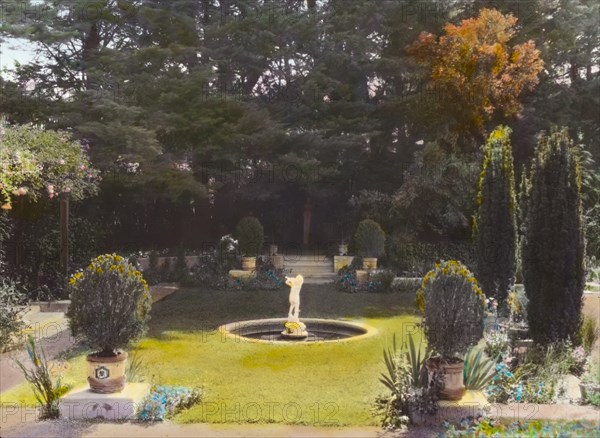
64 234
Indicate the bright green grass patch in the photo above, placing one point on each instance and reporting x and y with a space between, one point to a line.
317 384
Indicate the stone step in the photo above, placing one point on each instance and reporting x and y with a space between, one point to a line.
53 306
306 258
311 273
315 274
319 280
307 263
31 310
303 266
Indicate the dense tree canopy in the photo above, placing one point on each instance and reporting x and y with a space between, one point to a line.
474 69
185 104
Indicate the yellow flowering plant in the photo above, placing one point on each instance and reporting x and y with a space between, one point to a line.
110 303
453 306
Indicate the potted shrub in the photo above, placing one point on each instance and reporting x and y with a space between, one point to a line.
370 241
453 307
250 235
109 308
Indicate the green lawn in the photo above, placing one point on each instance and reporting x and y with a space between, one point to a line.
317 384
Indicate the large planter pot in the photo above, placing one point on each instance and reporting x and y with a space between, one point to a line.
277 261
340 262
343 249
273 250
106 374
454 387
588 388
370 263
248 263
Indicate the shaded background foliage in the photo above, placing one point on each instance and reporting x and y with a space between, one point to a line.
200 113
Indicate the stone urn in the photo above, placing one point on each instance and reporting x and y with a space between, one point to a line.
343 249
248 263
273 249
370 263
106 374
452 369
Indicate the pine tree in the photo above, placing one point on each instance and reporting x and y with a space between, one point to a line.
495 227
554 245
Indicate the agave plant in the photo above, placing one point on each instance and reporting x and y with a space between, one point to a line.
413 357
478 371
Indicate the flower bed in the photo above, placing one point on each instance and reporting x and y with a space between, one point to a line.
469 427
166 401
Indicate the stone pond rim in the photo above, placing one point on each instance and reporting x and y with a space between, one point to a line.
268 331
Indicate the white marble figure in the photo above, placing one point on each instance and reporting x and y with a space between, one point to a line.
295 284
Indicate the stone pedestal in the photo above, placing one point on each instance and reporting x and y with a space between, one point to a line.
472 404
277 261
340 262
83 404
362 276
241 275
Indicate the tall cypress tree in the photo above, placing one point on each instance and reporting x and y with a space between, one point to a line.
522 199
554 245
495 225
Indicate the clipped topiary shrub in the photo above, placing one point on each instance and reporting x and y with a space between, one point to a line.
495 223
554 247
250 235
110 304
453 307
370 239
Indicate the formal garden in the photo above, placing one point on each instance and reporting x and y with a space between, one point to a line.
300 218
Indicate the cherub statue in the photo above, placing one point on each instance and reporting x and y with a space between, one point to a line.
295 284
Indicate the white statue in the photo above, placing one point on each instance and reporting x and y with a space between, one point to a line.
294 329
295 284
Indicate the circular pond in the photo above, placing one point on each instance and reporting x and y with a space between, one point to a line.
319 330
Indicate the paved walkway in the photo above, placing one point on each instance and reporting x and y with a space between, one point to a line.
14 428
51 331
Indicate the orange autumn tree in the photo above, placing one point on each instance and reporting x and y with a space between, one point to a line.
475 71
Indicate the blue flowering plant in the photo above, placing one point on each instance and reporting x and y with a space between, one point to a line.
267 277
491 427
520 386
503 385
166 401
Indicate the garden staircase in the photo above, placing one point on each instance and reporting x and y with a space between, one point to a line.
316 269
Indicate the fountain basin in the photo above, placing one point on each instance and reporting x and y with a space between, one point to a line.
319 330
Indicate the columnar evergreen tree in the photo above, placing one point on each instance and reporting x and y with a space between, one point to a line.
522 199
495 225
554 245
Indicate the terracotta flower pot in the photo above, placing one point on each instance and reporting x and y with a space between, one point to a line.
454 387
107 374
370 263
248 263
